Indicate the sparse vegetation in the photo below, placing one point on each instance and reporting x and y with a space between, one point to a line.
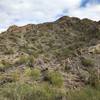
51 61
23 91
20 91
6 78
9 51
27 60
87 93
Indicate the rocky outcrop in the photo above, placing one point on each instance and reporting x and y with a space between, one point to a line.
95 49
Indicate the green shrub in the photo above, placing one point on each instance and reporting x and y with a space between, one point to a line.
62 53
26 59
87 93
15 76
87 62
33 73
66 52
31 61
4 65
55 78
94 78
16 91
22 60
23 91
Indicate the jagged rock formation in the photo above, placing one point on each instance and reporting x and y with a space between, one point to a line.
58 45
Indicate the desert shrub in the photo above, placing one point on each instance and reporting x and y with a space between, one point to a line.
15 91
87 62
4 79
66 52
10 77
22 60
67 68
87 93
31 61
47 92
23 91
84 76
94 78
4 65
33 73
15 75
9 51
62 53
1 79
35 53
55 78
26 59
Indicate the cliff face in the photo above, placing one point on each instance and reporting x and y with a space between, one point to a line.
68 45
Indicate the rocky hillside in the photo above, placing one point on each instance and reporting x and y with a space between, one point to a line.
64 53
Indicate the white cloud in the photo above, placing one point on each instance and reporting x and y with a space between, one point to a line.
22 12
90 11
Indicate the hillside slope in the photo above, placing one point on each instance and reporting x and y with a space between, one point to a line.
64 53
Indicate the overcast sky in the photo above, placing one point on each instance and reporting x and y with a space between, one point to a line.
21 12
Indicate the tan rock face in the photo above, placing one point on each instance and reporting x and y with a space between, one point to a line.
95 49
22 29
